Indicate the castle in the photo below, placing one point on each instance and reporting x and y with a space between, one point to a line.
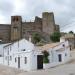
18 29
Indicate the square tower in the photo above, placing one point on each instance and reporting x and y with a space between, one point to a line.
48 22
16 28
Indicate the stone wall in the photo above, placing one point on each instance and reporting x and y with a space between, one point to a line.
48 22
5 32
18 29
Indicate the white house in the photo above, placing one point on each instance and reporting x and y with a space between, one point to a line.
25 55
1 48
21 54
59 53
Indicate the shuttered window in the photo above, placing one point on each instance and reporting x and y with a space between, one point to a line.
25 60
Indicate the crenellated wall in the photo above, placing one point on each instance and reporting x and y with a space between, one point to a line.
18 29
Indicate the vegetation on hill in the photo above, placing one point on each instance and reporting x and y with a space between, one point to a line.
36 38
71 32
55 37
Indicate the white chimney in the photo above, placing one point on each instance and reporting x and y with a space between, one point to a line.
62 39
30 39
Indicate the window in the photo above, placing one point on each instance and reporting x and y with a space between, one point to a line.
25 60
63 45
16 18
65 54
10 48
0 55
10 58
15 60
23 50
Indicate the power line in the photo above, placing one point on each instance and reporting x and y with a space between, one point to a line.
65 28
69 25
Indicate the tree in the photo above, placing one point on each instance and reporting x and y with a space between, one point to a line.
45 57
55 37
71 32
36 38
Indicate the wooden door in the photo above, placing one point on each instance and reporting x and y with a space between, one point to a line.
59 58
39 61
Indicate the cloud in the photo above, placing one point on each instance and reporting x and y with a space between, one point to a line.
63 10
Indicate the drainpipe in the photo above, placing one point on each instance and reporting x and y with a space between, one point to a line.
30 39
74 40
8 56
3 55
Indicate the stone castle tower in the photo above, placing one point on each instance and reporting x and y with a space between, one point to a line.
48 23
18 29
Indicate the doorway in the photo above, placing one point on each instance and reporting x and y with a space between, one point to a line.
59 58
39 61
18 62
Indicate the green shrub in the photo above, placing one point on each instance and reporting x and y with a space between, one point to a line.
55 37
45 60
36 38
45 57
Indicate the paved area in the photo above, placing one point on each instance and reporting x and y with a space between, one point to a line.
66 69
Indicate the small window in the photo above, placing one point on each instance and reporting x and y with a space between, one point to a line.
23 50
25 60
63 45
10 58
15 60
16 18
0 55
10 48
65 54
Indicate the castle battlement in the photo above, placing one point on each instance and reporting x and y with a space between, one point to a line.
18 29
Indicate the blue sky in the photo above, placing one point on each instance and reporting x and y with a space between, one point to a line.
64 11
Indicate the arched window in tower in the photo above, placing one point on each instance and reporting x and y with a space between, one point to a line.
16 18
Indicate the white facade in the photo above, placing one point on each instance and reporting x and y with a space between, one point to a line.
23 54
20 55
61 53
1 48
58 54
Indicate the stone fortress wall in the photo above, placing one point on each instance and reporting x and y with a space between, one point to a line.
18 29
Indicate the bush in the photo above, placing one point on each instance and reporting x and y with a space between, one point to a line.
45 57
36 38
45 60
71 32
55 37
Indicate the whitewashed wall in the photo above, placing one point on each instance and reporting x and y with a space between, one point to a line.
54 52
1 48
1 60
15 51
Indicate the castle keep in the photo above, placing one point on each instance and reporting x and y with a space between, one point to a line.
18 29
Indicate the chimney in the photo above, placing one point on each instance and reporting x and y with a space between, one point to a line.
62 39
30 39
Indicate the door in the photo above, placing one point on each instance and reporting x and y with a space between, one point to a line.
39 61
18 62
59 58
